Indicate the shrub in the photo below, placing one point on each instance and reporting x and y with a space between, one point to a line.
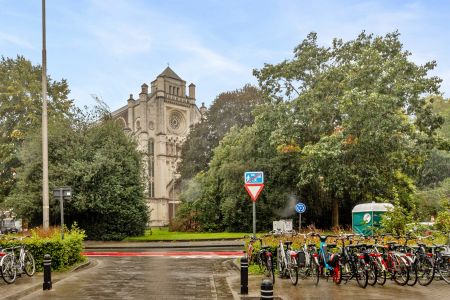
443 217
64 252
395 220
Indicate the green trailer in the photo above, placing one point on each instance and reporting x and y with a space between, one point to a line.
367 216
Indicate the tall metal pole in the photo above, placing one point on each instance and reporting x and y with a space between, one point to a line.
254 219
45 205
61 206
299 222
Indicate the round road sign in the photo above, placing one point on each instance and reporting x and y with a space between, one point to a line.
300 207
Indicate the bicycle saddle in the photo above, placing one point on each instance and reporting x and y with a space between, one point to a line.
287 243
311 245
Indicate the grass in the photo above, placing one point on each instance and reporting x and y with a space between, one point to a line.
163 234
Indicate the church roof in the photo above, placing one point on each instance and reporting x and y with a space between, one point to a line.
168 72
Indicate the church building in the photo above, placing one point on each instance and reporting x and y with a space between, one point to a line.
159 120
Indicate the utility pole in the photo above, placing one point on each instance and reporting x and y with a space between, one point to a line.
45 205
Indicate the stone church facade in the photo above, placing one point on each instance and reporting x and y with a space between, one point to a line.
159 120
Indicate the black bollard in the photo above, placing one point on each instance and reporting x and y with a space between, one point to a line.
244 276
47 272
266 289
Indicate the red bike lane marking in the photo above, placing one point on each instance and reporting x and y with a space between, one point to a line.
171 253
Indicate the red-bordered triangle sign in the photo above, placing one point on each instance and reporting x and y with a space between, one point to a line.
254 189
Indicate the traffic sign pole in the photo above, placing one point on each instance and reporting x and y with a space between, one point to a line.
300 208
299 223
254 183
254 218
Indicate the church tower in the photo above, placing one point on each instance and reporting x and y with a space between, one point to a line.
160 119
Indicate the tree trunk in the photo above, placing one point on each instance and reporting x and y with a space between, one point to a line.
335 213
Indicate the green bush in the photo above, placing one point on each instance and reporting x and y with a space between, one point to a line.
443 217
64 252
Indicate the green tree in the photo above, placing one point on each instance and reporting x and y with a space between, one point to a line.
357 111
228 109
103 167
20 111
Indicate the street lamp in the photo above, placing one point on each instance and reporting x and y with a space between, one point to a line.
45 205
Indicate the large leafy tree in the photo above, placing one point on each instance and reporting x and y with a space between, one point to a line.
434 175
358 113
228 109
103 167
20 111
346 124
220 201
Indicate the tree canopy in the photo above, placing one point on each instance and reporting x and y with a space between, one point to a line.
348 123
87 151
228 109
20 111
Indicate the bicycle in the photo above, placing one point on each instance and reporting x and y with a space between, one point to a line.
395 263
353 264
15 263
287 261
305 258
263 258
326 265
441 256
422 264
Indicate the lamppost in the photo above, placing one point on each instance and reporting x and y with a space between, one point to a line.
45 205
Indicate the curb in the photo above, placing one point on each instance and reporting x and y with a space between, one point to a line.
162 245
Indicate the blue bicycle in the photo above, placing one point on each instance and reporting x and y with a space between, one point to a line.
326 264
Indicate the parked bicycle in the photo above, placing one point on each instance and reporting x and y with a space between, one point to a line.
326 264
263 258
441 255
352 263
287 261
16 261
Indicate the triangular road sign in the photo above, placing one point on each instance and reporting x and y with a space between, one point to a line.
254 190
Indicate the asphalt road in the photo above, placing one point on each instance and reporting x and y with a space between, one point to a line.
139 277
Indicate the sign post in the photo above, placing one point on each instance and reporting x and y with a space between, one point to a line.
300 208
254 184
63 193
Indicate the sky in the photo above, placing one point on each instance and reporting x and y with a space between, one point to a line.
108 48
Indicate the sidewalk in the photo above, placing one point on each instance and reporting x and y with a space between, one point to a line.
168 244
25 285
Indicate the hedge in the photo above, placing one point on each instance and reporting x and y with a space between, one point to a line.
64 252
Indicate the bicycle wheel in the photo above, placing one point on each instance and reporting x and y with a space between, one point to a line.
270 272
29 264
401 271
412 280
337 274
346 271
372 274
381 273
312 268
293 270
361 273
444 268
318 267
7 268
280 265
305 269
425 270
